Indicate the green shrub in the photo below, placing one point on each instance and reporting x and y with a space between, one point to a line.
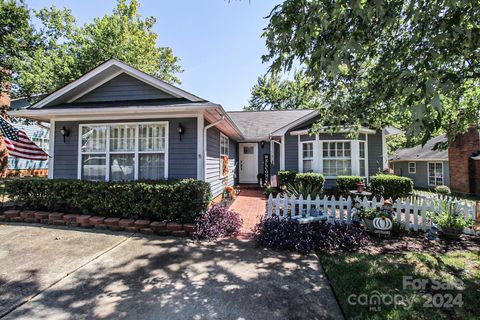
307 184
444 190
286 177
347 183
390 186
271 191
180 201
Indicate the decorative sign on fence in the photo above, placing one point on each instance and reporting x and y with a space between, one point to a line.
266 166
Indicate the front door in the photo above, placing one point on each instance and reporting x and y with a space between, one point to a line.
248 163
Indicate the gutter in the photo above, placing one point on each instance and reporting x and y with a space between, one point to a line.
205 144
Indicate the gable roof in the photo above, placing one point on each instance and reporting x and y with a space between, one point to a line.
259 125
422 153
102 74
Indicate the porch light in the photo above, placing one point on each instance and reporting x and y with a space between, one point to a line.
181 130
263 144
65 132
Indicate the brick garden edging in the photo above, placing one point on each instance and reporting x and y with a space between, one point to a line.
160 228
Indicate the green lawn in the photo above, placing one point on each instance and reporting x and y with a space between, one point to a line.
361 273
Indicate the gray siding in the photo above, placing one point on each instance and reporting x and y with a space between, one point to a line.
121 88
182 155
212 173
375 153
420 177
291 152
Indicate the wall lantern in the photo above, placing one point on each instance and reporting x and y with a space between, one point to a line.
263 144
65 132
181 130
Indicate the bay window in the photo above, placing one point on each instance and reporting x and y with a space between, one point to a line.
307 157
337 158
122 152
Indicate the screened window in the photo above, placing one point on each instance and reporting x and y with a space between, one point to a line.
224 153
307 156
412 167
121 152
435 173
337 158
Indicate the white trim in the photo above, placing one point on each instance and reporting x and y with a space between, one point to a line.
355 163
159 84
200 139
324 130
282 153
94 86
414 167
384 151
367 157
282 131
136 152
319 154
428 173
419 160
51 150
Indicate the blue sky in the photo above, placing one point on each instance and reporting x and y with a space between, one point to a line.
219 42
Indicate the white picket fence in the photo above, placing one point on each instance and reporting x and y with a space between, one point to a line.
411 212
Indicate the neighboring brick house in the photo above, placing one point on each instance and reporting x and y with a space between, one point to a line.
457 167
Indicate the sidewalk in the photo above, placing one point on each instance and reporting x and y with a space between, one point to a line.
250 205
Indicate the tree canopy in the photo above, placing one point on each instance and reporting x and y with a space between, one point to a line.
272 92
380 62
65 51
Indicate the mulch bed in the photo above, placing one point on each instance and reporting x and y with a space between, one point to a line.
420 243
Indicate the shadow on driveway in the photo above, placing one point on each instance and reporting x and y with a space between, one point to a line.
168 278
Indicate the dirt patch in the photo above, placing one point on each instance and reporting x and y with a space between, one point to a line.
420 243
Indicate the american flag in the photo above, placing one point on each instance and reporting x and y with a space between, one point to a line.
18 143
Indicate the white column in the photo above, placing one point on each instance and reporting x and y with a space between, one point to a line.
355 158
318 154
300 154
200 149
282 153
51 148
384 151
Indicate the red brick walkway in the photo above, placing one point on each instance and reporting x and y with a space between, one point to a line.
250 205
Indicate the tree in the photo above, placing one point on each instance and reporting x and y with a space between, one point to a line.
381 62
67 51
271 92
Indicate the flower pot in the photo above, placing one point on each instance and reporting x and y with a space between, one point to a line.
368 223
451 233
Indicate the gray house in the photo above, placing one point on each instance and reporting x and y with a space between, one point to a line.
426 165
118 123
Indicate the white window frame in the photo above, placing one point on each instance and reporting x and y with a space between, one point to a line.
414 167
136 152
222 136
351 158
312 158
435 170
360 158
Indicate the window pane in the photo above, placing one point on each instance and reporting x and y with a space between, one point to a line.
332 149
307 166
308 150
325 149
152 137
346 149
122 167
362 149
93 166
151 166
362 168
94 139
122 138
248 150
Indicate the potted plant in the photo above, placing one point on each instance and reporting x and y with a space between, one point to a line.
450 220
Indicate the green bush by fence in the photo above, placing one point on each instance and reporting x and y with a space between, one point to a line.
347 183
179 201
390 186
286 177
310 178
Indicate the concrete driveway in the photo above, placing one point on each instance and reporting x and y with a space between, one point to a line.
56 273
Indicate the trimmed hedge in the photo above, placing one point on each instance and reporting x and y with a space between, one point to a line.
347 183
390 186
286 177
310 179
179 201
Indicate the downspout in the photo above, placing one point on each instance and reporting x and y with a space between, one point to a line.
205 145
